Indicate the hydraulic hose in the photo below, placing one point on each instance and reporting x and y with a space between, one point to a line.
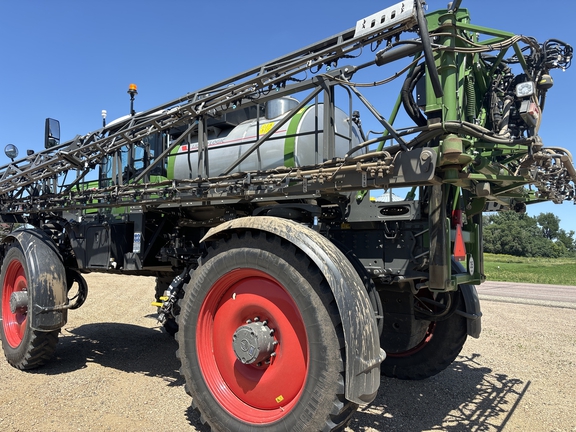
427 47
408 101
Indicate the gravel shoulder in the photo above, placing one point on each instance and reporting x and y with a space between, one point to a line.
115 370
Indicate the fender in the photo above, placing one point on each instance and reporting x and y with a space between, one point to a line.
47 310
362 341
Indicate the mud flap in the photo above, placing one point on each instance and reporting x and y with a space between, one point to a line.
363 352
46 279
473 314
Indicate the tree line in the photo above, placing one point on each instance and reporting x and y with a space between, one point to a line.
519 234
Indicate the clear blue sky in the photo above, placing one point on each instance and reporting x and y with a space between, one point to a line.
69 59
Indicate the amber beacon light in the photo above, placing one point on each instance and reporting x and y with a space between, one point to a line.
132 91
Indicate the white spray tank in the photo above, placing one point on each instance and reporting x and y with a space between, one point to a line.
299 142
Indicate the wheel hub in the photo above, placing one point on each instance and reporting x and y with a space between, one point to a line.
19 301
253 342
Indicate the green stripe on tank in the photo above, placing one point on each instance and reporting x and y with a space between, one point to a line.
172 162
290 142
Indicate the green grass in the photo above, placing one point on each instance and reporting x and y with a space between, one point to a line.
507 268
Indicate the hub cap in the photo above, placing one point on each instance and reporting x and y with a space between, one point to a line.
253 342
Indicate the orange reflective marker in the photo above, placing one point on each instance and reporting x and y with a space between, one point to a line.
459 245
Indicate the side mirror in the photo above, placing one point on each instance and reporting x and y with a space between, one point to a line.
51 133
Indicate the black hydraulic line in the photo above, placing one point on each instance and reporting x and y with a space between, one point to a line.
428 54
464 128
405 48
407 98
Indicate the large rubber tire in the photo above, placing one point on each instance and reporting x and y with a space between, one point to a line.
441 342
251 275
23 347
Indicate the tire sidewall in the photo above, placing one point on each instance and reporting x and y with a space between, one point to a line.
324 361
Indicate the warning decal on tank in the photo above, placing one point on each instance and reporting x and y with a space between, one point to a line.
265 128
279 399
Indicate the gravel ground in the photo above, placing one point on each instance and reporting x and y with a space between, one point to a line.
115 370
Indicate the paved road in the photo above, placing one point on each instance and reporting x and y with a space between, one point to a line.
549 295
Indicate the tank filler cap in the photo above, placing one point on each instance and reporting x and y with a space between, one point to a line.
277 107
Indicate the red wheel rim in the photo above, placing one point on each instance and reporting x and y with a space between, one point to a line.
14 323
252 393
427 338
